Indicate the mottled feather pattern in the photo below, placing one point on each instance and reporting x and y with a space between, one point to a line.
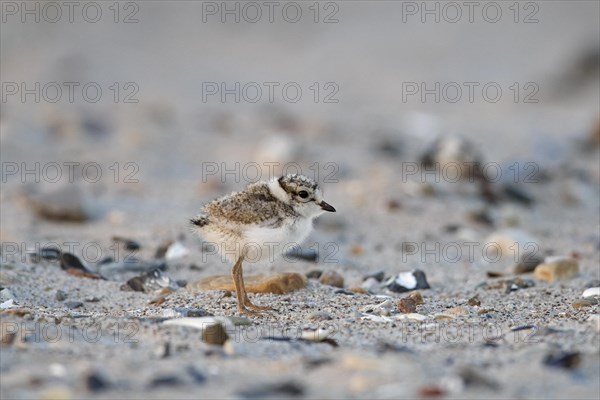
290 183
255 205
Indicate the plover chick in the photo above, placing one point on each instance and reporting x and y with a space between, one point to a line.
260 222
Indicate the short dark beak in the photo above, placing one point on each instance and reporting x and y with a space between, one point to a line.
326 207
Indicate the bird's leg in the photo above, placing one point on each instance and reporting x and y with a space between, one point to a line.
236 274
247 301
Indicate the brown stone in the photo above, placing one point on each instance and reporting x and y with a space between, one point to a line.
416 297
357 250
584 303
158 301
556 269
407 305
359 290
282 283
474 301
214 334
332 278
82 274
457 311
18 312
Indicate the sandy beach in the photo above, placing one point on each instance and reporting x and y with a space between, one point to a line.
461 141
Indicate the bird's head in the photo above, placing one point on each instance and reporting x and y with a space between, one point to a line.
302 193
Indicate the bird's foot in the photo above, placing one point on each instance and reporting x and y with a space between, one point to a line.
253 307
244 310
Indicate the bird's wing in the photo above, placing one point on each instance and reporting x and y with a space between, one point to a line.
246 208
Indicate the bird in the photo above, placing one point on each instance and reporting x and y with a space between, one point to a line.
259 222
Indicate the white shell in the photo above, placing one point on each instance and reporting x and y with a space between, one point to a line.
7 304
406 279
411 316
591 292
383 309
376 318
176 250
317 335
202 323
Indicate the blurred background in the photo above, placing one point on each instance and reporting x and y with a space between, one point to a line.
125 117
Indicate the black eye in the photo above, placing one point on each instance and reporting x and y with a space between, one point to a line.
303 194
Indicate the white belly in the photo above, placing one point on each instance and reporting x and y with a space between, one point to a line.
266 244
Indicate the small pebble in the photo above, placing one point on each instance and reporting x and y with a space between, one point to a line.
528 264
127 243
370 285
457 311
68 261
378 276
7 304
482 217
277 390
359 290
431 391
513 243
472 377
94 382
407 305
570 360
45 253
197 312
383 309
591 292
517 194
61 295
584 303
214 334
417 298
67 202
73 304
474 301
522 328
411 316
157 301
162 249
394 205
407 281
314 274
556 268
176 251
6 294
317 335
165 380
332 278
152 280
357 250
518 283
